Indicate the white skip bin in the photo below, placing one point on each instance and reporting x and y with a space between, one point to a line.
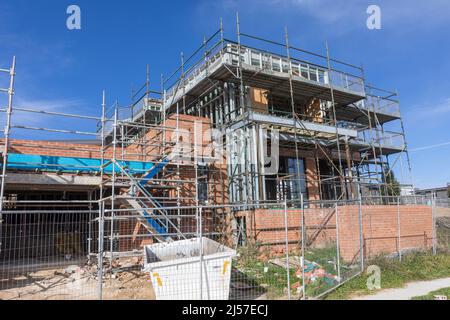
175 271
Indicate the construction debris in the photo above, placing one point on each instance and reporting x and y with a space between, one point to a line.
315 272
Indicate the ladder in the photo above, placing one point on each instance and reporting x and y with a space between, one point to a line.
152 214
4 153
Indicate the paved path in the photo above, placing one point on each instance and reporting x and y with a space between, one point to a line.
412 289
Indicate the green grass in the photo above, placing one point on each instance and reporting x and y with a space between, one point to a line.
430 296
271 279
326 257
261 274
395 274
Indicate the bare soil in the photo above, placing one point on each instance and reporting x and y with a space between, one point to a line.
58 284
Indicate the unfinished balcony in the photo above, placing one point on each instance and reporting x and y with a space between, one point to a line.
289 128
379 107
380 143
263 69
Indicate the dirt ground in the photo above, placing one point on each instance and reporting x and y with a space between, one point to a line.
75 283
77 280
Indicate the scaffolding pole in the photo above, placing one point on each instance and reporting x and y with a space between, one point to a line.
101 206
6 132
333 104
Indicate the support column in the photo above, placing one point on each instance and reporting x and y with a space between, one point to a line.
311 183
349 170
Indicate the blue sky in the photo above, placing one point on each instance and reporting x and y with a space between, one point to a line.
63 70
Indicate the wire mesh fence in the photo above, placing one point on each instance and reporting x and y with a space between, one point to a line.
288 250
45 255
441 217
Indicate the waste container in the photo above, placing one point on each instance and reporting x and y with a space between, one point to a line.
175 271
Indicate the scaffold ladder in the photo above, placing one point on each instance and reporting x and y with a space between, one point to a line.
6 132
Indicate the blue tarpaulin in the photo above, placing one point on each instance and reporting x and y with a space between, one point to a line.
70 164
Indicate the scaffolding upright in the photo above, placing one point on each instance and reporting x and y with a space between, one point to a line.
6 132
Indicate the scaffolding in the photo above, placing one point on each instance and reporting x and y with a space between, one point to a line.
194 158
214 84
218 84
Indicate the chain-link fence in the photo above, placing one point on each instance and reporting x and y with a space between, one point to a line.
289 250
441 217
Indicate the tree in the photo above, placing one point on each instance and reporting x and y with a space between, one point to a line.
392 186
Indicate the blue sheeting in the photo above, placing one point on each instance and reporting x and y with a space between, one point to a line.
70 164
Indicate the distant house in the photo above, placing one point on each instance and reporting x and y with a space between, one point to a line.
407 191
442 194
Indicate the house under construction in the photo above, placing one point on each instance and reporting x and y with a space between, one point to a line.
240 125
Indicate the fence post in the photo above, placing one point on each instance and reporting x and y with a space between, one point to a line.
433 217
200 234
399 230
360 221
90 226
288 269
338 254
100 248
302 261
113 192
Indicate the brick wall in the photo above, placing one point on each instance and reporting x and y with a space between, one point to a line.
51 148
267 227
380 228
135 152
312 182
